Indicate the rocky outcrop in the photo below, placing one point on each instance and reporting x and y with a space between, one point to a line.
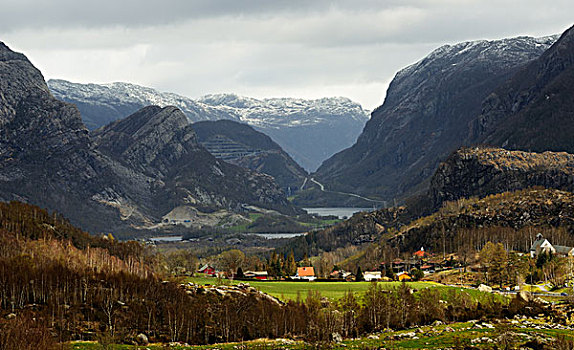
481 171
239 290
241 145
425 117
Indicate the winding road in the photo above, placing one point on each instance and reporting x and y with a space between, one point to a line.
322 188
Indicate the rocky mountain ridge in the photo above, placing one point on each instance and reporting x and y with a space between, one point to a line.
332 123
160 143
132 174
426 116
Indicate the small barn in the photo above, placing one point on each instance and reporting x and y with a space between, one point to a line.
372 275
207 270
258 275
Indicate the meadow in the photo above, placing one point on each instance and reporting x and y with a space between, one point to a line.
289 290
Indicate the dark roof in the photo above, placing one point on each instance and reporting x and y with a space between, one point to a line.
537 243
560 249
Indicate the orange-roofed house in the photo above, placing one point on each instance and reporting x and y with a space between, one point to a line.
403 276
420 254
305 273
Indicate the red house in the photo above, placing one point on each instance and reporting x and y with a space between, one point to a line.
207 270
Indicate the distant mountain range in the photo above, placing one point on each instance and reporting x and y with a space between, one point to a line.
126 176
308 130
430 110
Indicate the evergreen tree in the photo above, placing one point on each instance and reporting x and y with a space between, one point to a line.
291 265
359 275
417 274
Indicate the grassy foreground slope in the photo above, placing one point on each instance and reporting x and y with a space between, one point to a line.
531 334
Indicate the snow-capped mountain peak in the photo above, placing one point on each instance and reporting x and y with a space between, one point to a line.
330 124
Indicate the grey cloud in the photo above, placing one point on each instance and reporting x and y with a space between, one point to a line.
267 46
19 14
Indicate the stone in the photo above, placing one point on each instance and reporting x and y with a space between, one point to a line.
524 296
336 337
484 288
142 339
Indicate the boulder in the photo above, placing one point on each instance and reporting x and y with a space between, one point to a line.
336 337
142 339
484 288
524 296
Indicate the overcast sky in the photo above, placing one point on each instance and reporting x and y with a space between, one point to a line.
266 48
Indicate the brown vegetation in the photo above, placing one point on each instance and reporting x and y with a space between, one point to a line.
56 292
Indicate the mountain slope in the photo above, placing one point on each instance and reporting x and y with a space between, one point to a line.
101 104
241 145
425 117
533 110
310 131
135 172
480 174
161 143
47 157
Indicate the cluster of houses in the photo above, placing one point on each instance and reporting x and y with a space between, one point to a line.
400 269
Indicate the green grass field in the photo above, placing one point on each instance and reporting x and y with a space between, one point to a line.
334 290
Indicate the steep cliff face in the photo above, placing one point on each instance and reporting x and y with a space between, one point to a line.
533 110
161 144
425 116
241 145
152 140
480 172
47 157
